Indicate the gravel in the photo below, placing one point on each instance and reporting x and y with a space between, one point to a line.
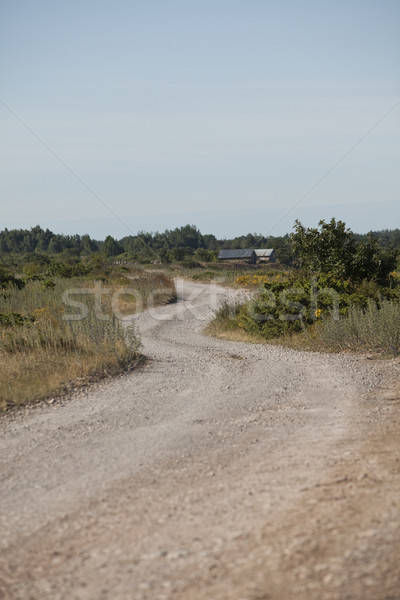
203 473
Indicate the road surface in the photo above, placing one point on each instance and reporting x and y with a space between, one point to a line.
217 470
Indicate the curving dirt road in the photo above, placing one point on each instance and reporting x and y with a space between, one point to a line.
218 470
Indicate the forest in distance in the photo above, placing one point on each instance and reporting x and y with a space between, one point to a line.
328 290
172 245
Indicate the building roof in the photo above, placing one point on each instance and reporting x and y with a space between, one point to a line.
263 252
236 254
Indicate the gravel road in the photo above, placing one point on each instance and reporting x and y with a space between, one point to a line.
217 470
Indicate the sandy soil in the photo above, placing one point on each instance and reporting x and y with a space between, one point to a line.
218 470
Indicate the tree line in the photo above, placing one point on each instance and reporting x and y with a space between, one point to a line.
175 244
188 242
36 239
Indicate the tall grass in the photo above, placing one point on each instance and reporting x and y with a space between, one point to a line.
375 329
43 351
150 288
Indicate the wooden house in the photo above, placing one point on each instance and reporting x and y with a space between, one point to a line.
265 255
248 256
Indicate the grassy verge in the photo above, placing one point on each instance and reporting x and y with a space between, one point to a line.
54 337
238 275
226 325
372 329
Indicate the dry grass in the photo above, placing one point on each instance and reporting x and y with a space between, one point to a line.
246 276
30 376
49 352
233 335
257 279
307 340
225 326
373 330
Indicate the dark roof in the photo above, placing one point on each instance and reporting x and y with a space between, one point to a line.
235 254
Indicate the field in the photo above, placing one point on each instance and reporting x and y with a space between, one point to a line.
60 333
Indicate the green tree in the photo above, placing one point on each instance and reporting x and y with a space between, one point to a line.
88 245
177 253
163 253
205 255
333 249
367 259
185 237
327 249
55 245
111 247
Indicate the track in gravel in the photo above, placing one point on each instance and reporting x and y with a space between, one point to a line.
217 470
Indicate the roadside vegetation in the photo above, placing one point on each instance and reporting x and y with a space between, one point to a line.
342 294
64 299
61 322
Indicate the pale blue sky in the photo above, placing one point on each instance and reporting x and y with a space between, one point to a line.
218 113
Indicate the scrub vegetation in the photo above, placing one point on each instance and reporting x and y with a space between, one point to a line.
61 322
342 294
64 299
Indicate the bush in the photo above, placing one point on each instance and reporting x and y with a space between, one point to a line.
48 284
205 275
191 264
7 279
14 319
285 307
205 255
228 312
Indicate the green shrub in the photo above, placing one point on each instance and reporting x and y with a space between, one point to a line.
7 279
203 275
228 315
14 319
285 307
191 264
48 284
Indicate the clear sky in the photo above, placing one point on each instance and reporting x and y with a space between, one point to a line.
220 113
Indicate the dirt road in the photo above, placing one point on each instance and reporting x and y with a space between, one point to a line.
218 471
